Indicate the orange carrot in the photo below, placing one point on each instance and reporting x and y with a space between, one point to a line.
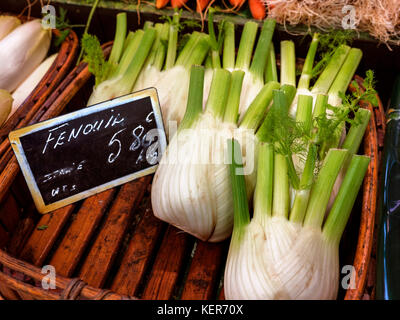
237 4
161 3
178 3
201 5
257 8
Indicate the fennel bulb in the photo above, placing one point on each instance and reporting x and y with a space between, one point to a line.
22 51
190 193
173 84
8 24
127 68
172 88
333 80
191 188
151 72
26 87
207 83
288 250
254 79
276 256
6 101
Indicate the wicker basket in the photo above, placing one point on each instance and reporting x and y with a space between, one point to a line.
110 246
34 102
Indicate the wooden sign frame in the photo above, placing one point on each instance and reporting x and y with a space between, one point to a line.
16 135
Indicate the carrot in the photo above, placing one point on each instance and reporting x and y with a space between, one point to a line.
161 3
178 3
257 8
201 5
237 4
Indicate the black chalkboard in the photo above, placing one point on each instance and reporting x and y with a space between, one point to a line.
71 157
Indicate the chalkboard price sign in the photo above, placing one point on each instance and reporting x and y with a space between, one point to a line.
74 156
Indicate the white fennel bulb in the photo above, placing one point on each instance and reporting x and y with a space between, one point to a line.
173 83
334 79
151 72
191 188
282 261
207 83
173 88
21 52
275 255
126 68
254 78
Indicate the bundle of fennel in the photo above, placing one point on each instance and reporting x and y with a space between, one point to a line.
168 69
252 64
192 192
146 58
22 70
191 187
290 251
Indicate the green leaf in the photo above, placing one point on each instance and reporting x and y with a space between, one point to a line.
94 56
328 43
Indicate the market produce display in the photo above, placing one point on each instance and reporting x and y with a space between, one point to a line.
21 71
305 175
262 168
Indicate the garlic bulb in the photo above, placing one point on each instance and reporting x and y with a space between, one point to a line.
22 51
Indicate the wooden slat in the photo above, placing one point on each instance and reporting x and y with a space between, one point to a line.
71 248
8 293
40 242
167 266
25 227
201 281
9 213
4 236
100 258
21 192
138 254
